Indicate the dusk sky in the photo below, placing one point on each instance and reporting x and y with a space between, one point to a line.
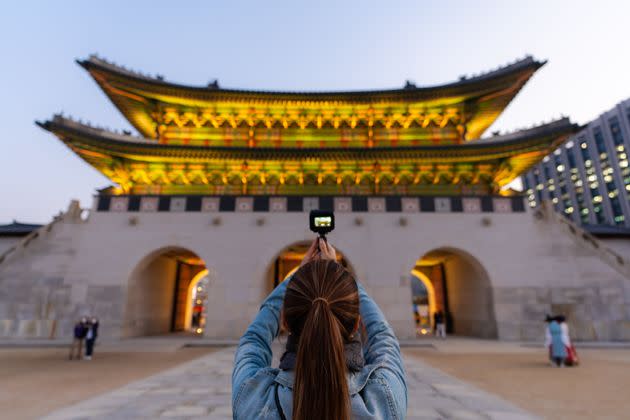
288 45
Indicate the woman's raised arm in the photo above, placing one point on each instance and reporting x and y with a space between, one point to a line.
254 348
382 347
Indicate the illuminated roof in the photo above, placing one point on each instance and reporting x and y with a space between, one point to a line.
140 165
174 113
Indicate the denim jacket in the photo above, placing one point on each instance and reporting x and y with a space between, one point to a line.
378 391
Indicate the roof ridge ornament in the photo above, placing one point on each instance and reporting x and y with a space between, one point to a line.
94 58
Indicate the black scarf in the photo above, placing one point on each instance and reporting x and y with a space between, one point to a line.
353 351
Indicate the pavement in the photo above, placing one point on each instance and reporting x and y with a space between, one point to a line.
177 340
201 389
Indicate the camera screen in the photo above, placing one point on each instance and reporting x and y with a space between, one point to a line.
323 221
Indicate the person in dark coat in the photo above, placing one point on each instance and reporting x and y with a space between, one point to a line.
80 330
90 338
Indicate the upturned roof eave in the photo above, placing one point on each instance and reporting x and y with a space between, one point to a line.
526 64
541 137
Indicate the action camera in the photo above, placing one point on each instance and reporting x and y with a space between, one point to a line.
322 222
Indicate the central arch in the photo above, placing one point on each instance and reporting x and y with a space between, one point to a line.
460 288
160 293
288 260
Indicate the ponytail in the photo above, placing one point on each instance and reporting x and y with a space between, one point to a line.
320 390
321 309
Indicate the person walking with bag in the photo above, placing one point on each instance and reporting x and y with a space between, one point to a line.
556 338
572 357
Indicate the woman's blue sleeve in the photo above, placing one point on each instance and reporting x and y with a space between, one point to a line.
383 349
254 348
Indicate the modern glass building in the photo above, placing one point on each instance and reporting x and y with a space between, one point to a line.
588 178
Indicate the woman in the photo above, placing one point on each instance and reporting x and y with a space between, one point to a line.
572 357
556 339
325 373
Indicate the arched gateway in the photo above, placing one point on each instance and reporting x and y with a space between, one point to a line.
166 293
457 285
288 260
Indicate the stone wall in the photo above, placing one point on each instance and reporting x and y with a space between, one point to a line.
87 267
7 242
596 313
619 245
568 276
34 299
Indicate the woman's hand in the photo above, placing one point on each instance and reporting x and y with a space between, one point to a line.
312 253
326 251
319 249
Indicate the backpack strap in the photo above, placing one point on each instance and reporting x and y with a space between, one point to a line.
278 406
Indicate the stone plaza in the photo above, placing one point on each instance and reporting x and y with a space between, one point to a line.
197 390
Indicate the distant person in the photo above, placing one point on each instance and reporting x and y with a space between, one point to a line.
562 320
572 357
90 337
79 332
325 372
440 324
548 319
556 341
196 320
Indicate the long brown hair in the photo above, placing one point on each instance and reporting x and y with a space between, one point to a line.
321 307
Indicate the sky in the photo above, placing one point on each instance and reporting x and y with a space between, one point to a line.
284 45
